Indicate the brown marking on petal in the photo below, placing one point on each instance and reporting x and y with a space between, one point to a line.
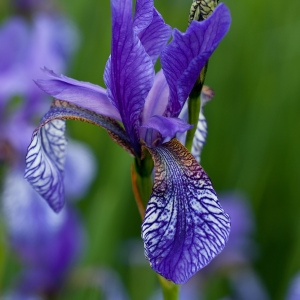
80 117
207 94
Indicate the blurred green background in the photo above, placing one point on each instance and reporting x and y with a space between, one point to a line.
253 140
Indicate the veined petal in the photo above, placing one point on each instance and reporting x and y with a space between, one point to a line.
199 137
46 153
84 94
45 162
184 227
143 15
183 59
65 110
167 127
155 37
129 72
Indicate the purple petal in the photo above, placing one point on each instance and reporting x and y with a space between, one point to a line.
143 15
185 227
157 99
129 71
46 153
84 94
155 37
167 127
45 162
187 54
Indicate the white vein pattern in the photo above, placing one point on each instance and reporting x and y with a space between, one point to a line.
200 136
184 227
45 162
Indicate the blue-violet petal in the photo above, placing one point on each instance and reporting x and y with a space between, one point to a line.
129 72
184 227
45 162
183 59
84 94
155 37
167 127
143 15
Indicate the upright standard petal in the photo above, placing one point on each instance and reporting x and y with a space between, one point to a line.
155 37
45 162
183 59
129 72
84 94
184 227
143 15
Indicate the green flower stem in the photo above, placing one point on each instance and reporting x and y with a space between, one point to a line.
200 10
194 105
141 175
170 289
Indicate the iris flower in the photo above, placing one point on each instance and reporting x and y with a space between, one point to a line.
184 226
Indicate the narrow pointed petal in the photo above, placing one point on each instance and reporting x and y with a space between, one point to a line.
84 94
45 162
129 71
155 37
46 153
183 59
184 227
167 127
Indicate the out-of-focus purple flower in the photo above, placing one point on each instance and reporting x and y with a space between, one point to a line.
184 227
293 292
78 157
47 243
240 249
24 49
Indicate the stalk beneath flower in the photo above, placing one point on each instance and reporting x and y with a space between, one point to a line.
141 176
200 11
194 106
170 290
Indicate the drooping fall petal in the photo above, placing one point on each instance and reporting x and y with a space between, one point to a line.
45 162
46 153
184 227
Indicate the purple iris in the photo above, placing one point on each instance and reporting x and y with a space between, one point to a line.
48 244
184 226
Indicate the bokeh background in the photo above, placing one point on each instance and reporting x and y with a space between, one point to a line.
252 147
